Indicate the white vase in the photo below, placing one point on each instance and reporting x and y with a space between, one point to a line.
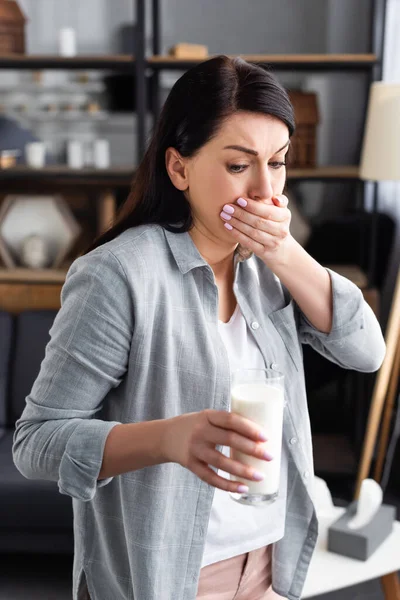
101 154
35 154
67 42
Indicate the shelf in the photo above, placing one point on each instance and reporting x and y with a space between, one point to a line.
71 87
313 62
329 173
21 275
27 61
60 175
16 297
306 62
60 116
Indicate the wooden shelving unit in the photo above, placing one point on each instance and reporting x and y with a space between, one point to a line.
21 275
18 296
334 173
103 182
62 175
49 62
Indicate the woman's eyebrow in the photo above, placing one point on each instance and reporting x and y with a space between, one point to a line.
250 151
242 149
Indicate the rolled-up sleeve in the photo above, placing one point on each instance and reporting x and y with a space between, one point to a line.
58 436
355 340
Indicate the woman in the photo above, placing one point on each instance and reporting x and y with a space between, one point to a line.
130 410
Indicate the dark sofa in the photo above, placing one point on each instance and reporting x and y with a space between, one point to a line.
34 516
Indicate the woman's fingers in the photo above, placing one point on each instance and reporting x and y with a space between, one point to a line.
233 467
203 471
239 442
233 421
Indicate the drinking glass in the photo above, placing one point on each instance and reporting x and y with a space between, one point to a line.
258 395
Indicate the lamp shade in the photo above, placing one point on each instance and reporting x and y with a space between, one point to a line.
380 157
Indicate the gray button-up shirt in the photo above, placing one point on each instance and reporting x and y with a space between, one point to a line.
137 339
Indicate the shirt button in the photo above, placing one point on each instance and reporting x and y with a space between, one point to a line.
274 366
306 474
294 441
255 325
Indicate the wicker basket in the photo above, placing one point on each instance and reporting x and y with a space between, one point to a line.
12 28
304 141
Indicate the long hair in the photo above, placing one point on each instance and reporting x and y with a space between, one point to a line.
194 111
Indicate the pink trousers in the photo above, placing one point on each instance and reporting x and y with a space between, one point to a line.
244 577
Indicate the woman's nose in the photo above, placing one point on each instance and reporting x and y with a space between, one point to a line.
263 194
262 188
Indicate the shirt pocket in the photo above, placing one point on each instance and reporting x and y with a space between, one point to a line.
285 322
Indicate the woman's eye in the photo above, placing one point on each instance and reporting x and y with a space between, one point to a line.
237 168
277 165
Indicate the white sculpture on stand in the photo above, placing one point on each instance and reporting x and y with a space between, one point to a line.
35 252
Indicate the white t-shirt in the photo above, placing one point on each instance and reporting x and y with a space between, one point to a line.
235 528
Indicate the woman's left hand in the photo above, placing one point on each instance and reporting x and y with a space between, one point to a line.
262 228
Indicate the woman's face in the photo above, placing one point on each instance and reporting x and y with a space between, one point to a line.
245 159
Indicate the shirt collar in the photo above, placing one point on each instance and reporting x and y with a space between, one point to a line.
188 257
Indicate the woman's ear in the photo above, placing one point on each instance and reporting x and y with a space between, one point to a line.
176 169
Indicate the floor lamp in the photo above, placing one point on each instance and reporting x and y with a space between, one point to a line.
380 161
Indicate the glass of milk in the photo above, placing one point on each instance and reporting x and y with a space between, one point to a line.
258 395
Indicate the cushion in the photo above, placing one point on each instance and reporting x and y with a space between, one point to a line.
31 337
6 326
29 504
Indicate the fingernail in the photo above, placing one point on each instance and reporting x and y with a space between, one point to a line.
225 216
242 202
262 436
268 456
229 209
258 476
228 226
243 489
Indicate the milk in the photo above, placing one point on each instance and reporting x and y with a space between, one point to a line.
262 403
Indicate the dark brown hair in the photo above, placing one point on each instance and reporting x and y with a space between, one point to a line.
193 113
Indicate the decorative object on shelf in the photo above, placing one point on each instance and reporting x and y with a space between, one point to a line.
49 109
35 154
93 107
8 158
37 77
101 154
82 78
12 28
48 217
75 155
68 107
67 42
364 526
304 140
35 252
21 108
189 51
